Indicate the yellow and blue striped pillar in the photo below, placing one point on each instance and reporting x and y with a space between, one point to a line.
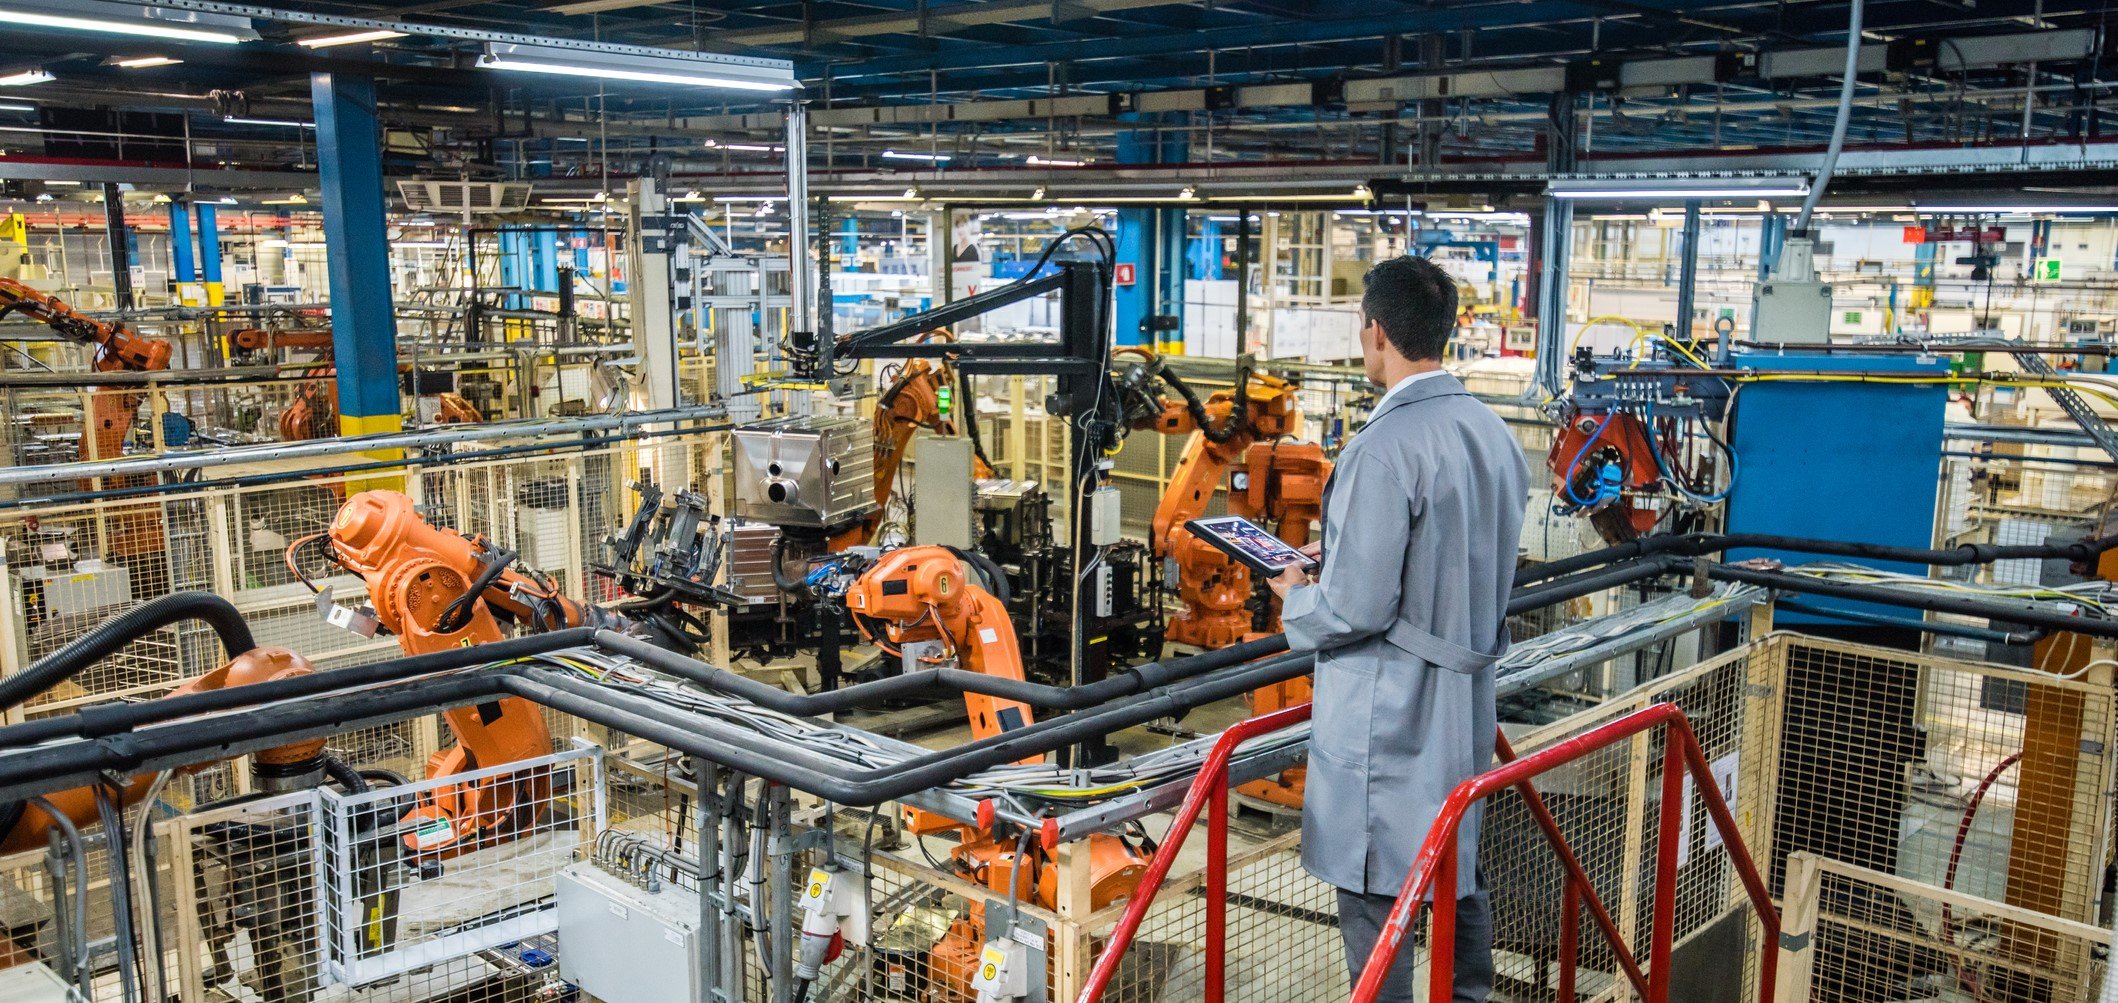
363 324
209 251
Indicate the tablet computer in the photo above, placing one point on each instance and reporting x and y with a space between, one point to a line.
1249 544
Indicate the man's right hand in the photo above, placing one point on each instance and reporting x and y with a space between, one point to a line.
1313 550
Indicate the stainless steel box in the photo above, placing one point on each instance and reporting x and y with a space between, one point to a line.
808 470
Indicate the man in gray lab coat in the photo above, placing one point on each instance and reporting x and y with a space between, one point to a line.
1421 522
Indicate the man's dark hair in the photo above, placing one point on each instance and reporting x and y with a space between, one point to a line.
1415 302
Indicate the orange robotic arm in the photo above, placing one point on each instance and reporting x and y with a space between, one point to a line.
253 339
926 594
435 589
290 765
1214 589
110 414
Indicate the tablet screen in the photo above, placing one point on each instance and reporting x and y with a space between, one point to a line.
1250 543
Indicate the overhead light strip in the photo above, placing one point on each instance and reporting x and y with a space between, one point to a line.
109 17
702 71
352 38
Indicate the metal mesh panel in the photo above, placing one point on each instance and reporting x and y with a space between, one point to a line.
1984 778
1877 937
394 903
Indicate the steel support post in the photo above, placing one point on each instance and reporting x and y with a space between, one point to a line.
1688 273
1554 245
363 322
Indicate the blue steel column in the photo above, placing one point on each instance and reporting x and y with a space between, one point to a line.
210 252
363 325
183 271
1135 245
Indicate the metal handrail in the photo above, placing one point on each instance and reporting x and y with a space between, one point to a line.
1434 869
1435 866
1211 787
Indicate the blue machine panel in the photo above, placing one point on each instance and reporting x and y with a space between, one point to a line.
1838 461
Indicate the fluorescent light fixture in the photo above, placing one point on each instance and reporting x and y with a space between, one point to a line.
1680 189
1037 195
12 106
745 147
69 184
25 78
145 62
295 199
287 122
660 67
120 18
745 198
2018 209
1037 161
1189 194
932 158
573 139
351 38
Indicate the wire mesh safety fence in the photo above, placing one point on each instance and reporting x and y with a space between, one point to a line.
414 876
1862 934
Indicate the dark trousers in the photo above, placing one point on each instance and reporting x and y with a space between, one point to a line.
1360 924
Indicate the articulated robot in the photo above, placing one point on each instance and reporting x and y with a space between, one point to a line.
118 349
433 589
925 604
313 412
1272 482
1637 451
436 589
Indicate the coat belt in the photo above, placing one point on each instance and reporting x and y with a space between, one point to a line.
1440 651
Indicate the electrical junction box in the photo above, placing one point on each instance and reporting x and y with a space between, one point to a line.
943 489
1787 312
1002 974
91 586
619 942
1106 512
32 982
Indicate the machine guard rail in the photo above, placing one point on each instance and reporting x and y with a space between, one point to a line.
1435 867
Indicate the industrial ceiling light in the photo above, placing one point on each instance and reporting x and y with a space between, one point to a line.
745 147
12 106
145 62
25 78
128 19
1037 161
2018 209
1678 189
934 158
286 122
350 38
670 67
1038 194
1189 194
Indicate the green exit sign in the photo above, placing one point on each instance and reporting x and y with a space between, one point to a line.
2047 270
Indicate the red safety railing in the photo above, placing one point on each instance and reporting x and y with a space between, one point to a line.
1434 869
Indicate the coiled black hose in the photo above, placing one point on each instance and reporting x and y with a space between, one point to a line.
119 631
347 777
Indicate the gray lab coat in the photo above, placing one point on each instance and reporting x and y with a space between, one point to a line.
1422 516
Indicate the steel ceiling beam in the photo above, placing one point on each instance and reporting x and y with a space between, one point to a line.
928 20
